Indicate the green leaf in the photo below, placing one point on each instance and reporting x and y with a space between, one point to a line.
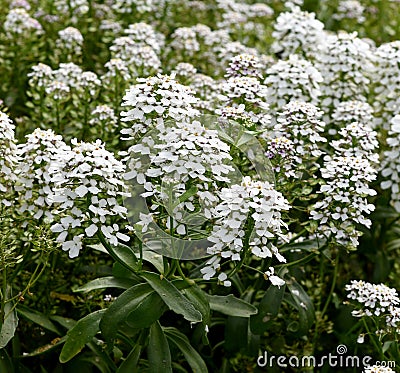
83 332
129 365
193 358
172 297
303 304
231 306
267 309
387 345
155 259
37 318
200 301
121 308
9 325
64 321
127 256
158 351
147 312
106 282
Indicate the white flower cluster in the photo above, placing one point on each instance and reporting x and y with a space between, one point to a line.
391 163
90 83
74 8
357 139
8 157
350 9
18 22
301 123
375 300
59 84
87 188
184 41
143 33
353 111
344 204
206 89
281 151
141 59
116 67
297 31
154 100
20 4
244 65
70 40
245 101
35 185
387 83
104 116
261 203
139 6
40 76
292 79
182 154
345 62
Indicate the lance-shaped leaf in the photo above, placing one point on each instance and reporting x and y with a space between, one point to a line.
107 282
267 309
158 351
172 297
231 306
121 308
81 334
191 355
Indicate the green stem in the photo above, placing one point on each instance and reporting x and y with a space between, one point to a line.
335 275
60 130
373 338
3 295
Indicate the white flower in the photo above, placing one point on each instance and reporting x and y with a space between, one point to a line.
88 187
141 58
255 200
345 62
379 300
8 158
297 31
275 280
390 164
143 33
249 92
154 100
357 139
34 178
386 79
294 79
19 22
71 40
301 123
344 202
244 65
350 9
41 75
